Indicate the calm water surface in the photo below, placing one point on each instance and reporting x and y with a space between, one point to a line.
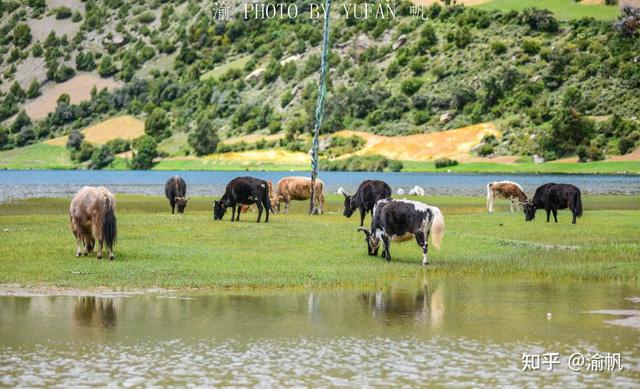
442 332
61 183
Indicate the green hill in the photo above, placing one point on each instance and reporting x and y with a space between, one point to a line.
553 85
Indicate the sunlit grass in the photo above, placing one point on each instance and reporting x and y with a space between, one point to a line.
158 250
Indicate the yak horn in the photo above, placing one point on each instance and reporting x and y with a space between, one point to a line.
362 229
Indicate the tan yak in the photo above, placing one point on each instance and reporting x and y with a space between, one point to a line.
92 216
296 188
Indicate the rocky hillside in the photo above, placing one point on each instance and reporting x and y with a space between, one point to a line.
552 88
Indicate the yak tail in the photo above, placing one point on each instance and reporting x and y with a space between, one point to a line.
267 201
437 227
109 227
577 203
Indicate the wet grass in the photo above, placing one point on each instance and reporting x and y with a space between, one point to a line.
296 250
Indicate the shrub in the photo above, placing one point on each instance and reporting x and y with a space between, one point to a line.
539 19
34 89
485 149
107 68
498 48
22 35
4 138
410 86
146 150
63 13
75 139
445 162
101 157
420 117
625 145
83 153
530 46
85 62
146 17
26 136
286 98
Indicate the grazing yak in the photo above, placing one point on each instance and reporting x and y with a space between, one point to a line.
176 191
507 190
401 220
296 188
243 191
552 197
92 216
365 198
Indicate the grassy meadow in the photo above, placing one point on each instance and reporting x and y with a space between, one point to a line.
562 9
296 250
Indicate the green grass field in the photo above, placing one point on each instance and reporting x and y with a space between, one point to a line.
194 251
36 156
563 9
599 167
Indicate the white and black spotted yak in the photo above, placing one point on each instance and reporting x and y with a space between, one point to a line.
401 220
243 191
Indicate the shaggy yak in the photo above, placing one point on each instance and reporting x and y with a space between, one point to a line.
243 191
92 216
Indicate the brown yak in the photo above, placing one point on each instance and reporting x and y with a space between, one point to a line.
296 188
507 190
92 216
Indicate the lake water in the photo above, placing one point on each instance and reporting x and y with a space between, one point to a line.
441 332
62 183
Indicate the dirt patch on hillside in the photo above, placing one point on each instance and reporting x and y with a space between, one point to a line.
78 88
632 156
124 127
423 147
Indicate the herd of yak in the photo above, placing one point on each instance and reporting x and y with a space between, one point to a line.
92 210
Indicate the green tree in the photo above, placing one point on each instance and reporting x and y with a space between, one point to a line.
22 120
158 124
85 61
204 139
146 150
101 157
410 86
4 138
569 128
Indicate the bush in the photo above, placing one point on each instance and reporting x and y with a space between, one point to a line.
539 19
445 162
146 17
101 157
530 46
34 89
485 149
498 48
84 153
75 139
63 13
420 117
286 98
85 62
625 145
107 68
372 163
4 139
26 136
628 24
22 35
146 150
410 86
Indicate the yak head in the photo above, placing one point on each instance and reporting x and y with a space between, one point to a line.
181 203
219 208
373 242
529 210
349 207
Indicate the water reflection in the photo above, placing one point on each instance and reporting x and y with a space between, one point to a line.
95 312
450 331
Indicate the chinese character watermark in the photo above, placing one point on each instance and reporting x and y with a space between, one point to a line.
595 362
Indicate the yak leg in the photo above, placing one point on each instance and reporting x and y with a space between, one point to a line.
239 211
79 241
421 239
574 216
490 204
259 205
173 207
97 233
287 202
362 215
385 241
555 214
321 202
512 201
548 211
267 210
